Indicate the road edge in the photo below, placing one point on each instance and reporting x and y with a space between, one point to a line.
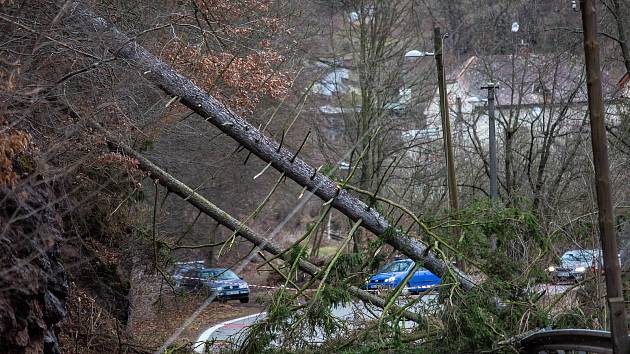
198 345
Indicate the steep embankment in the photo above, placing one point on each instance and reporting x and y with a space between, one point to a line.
33 281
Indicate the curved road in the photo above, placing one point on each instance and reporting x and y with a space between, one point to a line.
232 331
355 313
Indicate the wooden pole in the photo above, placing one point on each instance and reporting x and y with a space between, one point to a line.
451 178
446 121
614 290
494 191
492 137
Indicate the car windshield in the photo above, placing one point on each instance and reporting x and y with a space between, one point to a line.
400 266
219 274
577 257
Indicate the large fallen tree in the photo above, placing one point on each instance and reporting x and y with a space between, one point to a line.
268 150
225 219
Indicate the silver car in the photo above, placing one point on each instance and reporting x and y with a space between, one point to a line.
224 283
574 264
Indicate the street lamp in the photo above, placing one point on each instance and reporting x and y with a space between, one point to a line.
412 54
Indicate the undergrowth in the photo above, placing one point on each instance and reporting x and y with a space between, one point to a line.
502 305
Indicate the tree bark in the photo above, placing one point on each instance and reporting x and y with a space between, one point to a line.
242 230
268 150
621 33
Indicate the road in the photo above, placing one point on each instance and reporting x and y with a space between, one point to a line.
352 314
553 289
225 333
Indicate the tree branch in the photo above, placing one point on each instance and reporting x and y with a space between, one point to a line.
225 219
193 97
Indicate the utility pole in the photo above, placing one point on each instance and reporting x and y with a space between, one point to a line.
614 290
451 180
494 192
446 122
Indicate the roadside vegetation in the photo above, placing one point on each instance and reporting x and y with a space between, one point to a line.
169 165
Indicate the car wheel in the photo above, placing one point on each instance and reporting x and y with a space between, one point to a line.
244 301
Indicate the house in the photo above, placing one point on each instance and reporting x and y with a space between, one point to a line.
533 89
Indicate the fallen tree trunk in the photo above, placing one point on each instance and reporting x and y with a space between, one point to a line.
206 207
268 150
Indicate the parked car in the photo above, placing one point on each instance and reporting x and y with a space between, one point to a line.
224 283
180 268
391 274
574 264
